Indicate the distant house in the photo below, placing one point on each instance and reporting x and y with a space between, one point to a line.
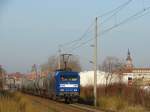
128 75
13 80
139 76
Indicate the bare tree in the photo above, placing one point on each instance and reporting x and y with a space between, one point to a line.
51 65
2 77
111 65
74 64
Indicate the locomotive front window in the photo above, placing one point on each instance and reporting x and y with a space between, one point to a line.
68 78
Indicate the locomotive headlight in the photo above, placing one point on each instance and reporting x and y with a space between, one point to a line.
61 89
75 89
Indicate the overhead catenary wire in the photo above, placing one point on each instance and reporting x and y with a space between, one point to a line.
80 45
80 38
77 42
134 16
114 11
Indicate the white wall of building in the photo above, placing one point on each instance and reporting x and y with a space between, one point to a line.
87 78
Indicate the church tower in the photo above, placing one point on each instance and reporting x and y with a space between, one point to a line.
129 64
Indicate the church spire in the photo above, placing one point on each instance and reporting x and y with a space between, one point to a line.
128 51
129 56
129 64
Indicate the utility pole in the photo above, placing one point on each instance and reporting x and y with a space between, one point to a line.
59 57
95 62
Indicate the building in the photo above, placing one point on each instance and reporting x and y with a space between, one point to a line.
103 78
14 80
139 76
129 64
128 75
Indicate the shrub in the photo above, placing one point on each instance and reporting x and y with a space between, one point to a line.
112 103
117 97
14 102
134 109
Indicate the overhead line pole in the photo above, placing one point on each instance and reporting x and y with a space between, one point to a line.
95 62
59 57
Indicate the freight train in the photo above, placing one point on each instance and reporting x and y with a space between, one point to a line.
62 85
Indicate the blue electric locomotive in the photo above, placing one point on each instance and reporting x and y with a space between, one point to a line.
67 85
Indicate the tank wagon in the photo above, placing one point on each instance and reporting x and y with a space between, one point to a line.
62 85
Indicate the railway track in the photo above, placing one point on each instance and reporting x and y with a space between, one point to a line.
84 107
89 108
59 106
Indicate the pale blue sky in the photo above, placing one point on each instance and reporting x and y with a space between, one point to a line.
31 30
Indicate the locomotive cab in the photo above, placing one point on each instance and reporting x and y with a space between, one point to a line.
67 85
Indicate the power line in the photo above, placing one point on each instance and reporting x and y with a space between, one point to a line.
119 7
79 42
79 39
116 10
135 16
80 45
126 20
